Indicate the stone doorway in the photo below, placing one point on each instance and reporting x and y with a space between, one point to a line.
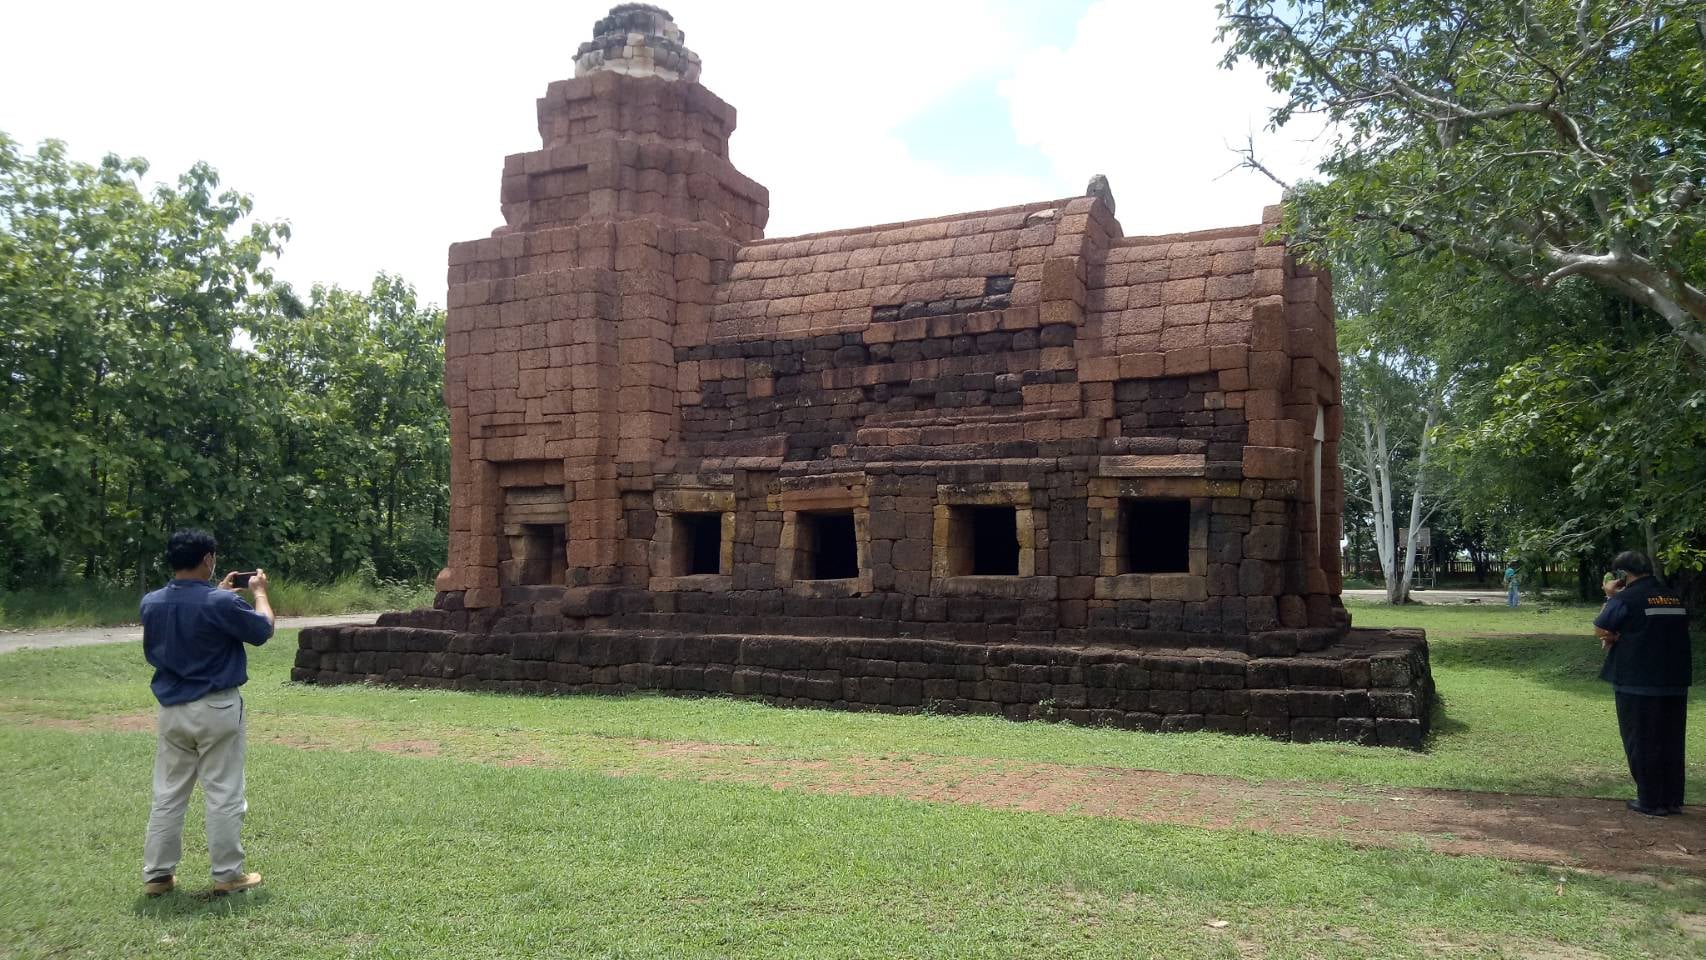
535 549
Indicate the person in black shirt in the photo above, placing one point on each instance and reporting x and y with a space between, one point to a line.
1643 628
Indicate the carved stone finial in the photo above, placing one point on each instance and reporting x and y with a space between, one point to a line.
1099 188
640 40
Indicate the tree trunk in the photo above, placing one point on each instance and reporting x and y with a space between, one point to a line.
391 502
1416 486
1587 585
1375 464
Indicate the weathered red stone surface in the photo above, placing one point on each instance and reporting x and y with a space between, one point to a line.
1014 429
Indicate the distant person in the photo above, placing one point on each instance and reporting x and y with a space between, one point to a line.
193 634
1513 593
1643 628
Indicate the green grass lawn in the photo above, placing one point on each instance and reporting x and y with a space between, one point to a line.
1522 711
371 855
105 605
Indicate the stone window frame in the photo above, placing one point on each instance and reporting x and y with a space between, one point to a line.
1026 584
1106 496
673 500
824 493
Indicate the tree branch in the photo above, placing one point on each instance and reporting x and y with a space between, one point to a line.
1577 265
1248 161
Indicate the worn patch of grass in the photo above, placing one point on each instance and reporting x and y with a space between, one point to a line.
376 856
104 605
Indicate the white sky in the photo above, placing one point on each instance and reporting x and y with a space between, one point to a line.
378 130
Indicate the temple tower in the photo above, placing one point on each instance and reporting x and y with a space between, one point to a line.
563 325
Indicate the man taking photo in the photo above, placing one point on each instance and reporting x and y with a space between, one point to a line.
1649 664
193 634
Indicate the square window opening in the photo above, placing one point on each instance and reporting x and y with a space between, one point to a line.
984 541
698 544
541 553
1155 536
830 546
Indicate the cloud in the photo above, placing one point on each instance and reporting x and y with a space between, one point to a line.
379 130
821 90
1139 96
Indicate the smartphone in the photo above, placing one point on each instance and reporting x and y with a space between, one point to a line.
241 580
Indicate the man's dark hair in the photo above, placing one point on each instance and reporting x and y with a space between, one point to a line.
187 548
1633 561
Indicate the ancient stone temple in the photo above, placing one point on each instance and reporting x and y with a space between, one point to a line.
1012 462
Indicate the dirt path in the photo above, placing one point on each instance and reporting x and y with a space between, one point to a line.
11 640
1561 831
1594 834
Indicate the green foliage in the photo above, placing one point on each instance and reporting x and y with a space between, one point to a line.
1483 151
1617 429
1572 424
361 431
153 376
86 605
1547 139
117 312
1484 154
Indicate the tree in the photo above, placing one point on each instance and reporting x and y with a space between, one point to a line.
362 430
121 395
1373 410
152 375
1571 420
1393 399
1424 337
1548 139
1615 434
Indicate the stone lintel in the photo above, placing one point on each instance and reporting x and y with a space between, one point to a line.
1010 588
1154 465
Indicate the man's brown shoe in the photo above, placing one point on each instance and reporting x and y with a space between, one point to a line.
159 885
247 881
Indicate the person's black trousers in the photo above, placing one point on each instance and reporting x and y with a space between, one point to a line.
1653 729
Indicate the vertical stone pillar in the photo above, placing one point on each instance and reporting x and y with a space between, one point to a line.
1310 394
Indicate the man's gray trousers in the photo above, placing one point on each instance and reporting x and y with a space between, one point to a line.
200 740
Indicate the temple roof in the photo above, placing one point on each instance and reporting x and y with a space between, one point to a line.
1142 293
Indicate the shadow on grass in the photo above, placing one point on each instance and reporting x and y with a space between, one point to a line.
183 903
1569 661
1441 723
1561 661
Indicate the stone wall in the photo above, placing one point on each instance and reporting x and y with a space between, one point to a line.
1371 687
909 394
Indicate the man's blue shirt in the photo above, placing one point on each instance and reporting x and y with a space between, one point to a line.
193 635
